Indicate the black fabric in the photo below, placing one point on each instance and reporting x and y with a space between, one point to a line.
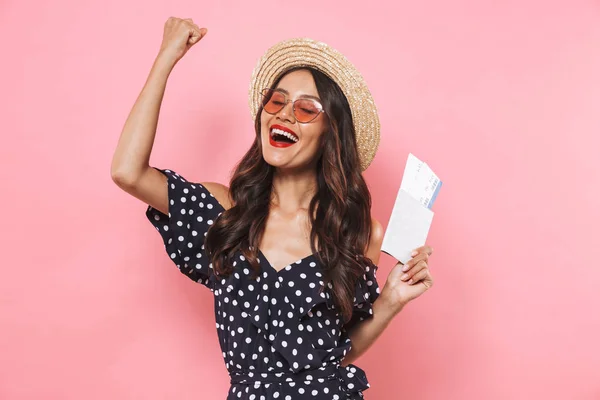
281 335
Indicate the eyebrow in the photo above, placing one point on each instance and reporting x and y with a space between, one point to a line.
307 96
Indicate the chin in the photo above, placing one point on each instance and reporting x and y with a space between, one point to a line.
273 162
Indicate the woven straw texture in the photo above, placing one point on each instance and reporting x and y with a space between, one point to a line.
305 52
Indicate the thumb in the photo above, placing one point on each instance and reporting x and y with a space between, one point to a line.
396 272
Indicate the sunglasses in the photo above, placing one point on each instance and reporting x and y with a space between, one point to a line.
305 110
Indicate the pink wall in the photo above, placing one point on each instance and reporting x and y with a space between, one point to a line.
501 98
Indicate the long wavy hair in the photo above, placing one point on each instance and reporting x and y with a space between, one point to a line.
340 211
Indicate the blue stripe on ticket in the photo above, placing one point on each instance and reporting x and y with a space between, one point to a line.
434 196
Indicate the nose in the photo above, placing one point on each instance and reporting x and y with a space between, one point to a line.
287 112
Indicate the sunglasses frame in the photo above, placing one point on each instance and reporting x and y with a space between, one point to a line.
320 106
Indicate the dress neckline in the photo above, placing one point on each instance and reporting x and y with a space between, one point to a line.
284 267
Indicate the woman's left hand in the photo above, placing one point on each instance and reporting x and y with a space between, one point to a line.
409 281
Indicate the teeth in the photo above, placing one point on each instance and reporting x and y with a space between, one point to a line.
284 133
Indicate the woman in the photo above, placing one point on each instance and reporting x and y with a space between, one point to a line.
289 250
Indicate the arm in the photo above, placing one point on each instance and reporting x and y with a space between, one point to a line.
366 332
404 283
130 168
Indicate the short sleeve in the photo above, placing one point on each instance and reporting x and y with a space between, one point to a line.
192 211
367 291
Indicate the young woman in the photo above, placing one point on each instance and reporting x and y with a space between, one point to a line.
289 249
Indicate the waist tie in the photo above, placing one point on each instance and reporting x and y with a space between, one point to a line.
352 379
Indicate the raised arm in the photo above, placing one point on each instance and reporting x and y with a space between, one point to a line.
130 168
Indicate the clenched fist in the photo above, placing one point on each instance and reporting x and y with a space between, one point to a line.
178 36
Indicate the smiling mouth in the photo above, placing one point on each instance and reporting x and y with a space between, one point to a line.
281 138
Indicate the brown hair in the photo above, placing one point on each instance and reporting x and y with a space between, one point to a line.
340 211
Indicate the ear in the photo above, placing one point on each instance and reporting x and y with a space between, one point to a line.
374 248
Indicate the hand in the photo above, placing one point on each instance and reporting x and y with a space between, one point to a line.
409 281
179 36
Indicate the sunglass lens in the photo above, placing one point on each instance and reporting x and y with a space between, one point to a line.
273 101
306 110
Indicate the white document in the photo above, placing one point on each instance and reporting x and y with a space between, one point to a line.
412 215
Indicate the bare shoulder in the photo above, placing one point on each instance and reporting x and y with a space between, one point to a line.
221 193
376 231
374 248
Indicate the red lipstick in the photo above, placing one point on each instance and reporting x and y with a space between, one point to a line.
275 143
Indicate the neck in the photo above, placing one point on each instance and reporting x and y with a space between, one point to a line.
293 190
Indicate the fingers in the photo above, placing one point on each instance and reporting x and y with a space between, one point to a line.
411 275
419 276
413 261
420 254
196 34
423 249
193 31
427 282
417 268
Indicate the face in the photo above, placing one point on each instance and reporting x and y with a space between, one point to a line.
303 150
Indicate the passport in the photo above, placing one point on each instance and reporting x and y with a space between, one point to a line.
412 214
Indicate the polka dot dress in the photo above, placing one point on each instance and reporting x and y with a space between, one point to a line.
281 334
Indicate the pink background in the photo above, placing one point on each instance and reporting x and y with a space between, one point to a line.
502 99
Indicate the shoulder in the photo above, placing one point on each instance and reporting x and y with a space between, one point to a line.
376 231
220 192
374 247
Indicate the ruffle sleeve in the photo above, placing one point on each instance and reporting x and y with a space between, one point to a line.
192 211
367 291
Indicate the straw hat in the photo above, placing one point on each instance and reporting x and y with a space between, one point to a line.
305 52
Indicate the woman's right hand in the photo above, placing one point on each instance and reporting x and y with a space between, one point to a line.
178 36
